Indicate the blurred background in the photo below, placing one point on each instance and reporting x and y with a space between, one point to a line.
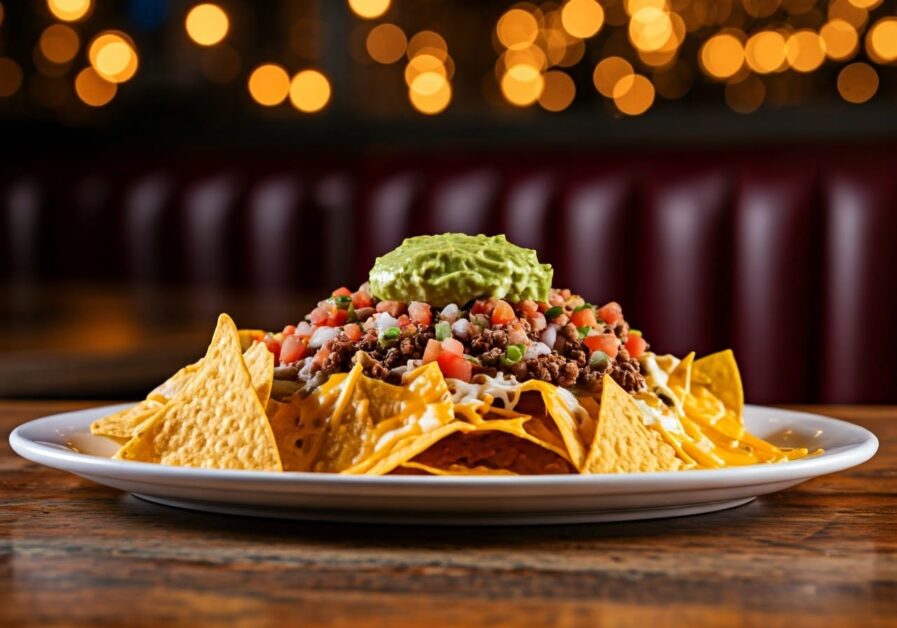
723 168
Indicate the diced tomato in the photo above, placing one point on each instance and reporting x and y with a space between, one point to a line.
337 317
529 308
342 292
610 313
454 365
584 317
292 350
420 312
403 321
393 308
361 299
432 350
321 355
353 332
636 345
289 330
478 307
453 346
273 345
502 314
603 342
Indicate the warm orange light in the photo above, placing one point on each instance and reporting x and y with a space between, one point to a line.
840 38
650 29
269 85
805 51
423 64
533 56
881 40
582 18
430 93
558 93
634 6
746 96
309 91
865 4
386 43
369 9
517 29
852 14
10 77
857 82
722 56
69 10
608 73
760 8
207 24
427 42
764 52
522 85
113 56
59 43
93 89
633 94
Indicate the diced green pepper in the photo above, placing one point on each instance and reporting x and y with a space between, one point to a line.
584 330
342 302
443 331
598 360
553 312
513 355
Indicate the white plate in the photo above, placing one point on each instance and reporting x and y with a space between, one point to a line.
64 442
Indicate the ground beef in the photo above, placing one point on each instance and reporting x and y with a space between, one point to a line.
378 361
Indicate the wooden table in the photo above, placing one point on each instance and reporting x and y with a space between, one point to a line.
823 553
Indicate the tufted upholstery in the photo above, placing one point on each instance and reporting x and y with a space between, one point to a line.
791 259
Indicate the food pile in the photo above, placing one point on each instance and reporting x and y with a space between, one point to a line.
456 358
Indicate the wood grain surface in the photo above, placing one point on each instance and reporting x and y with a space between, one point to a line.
74 553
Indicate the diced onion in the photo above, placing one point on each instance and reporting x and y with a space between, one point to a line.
535 350
459 328
385 321
450 313
550 335
322 335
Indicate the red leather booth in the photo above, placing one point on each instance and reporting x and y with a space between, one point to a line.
788 257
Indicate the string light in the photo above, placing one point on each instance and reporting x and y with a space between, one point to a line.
113 55
764 52
69 10
805 51
608 73
881 40
633 94
369 9
559 91
386 43
10 77
840 38
269 85
517 29
857 82
59 43
722 56
582 18
309 91
522 85
93 89
207 24
430 93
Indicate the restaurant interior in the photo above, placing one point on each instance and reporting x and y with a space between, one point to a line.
724 169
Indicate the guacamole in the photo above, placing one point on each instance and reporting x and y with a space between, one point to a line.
455 268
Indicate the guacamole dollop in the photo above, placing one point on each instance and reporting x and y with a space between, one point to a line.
455 268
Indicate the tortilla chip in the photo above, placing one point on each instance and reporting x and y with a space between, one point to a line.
719 373
125 423
681 374
260 364
569 424
623 444
216 421
454 469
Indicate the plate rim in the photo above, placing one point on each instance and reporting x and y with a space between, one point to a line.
860 449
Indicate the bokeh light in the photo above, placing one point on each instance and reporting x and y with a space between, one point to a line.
269 84
881 40
386 43
522 85
850 13
69 10
764 52
650 29
840 38
865 4
805 51
309 91
760 8
582 18
633 94
608 73
427 42
430 93
857 82
207 24
59 43
517 29
722 56
369 9
424 64
93 89
10 77
113 55
746 96
558 92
